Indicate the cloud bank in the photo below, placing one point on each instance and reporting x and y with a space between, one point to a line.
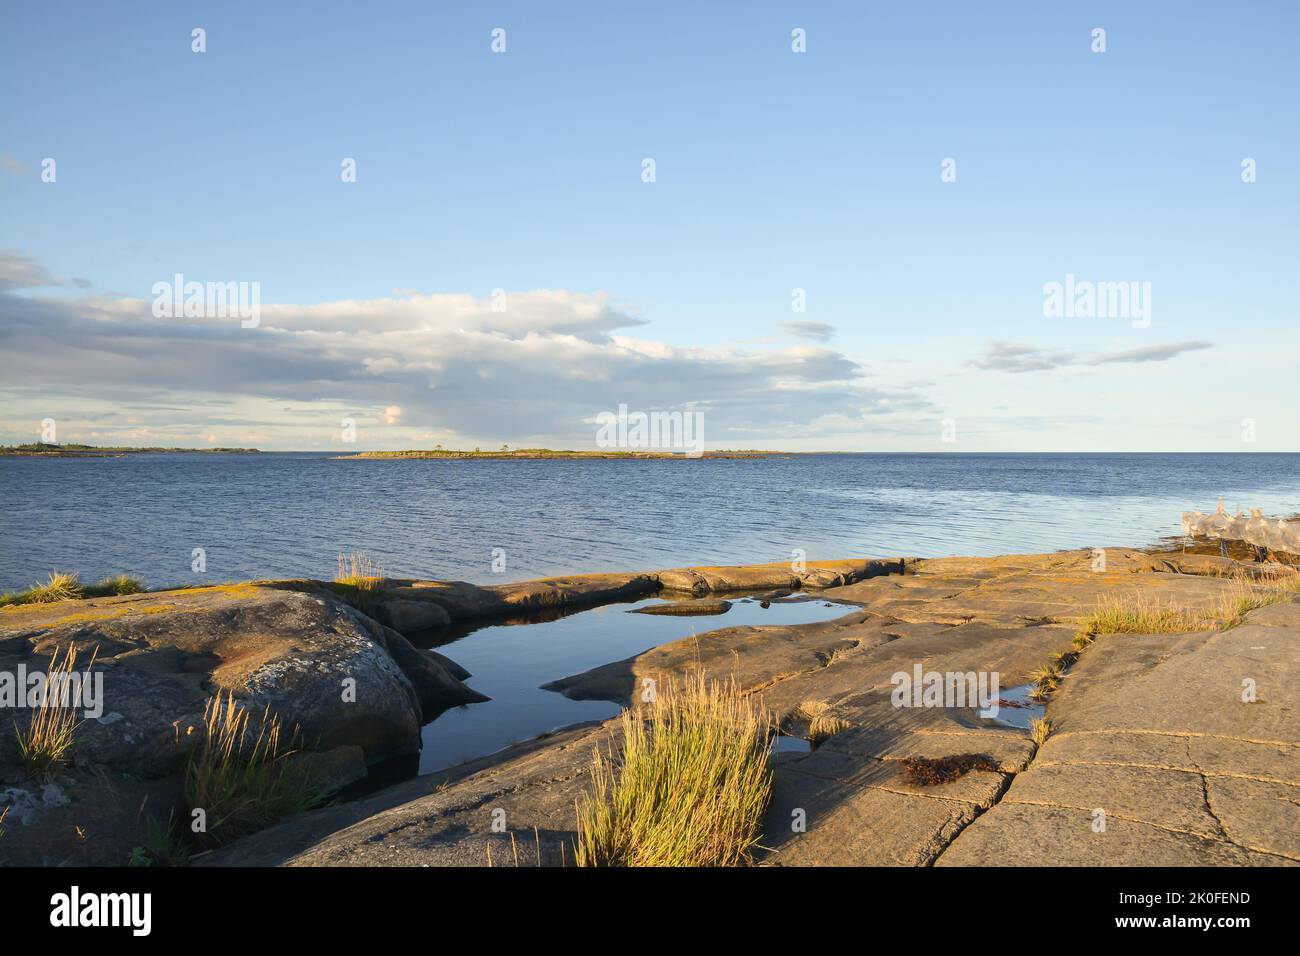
528 366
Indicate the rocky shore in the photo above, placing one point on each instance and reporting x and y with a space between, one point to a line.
1156 754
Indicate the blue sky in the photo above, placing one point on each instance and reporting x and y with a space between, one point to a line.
774 171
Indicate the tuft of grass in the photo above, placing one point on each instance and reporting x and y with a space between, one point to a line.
1246 596
52 730
237 775
1039 731
59 586
1045 679
357 569
163 846
110 587
3 813
65 586
824 726
691 786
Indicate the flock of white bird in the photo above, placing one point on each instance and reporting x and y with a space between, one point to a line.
1254 528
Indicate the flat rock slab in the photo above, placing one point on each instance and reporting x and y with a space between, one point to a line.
1185 745
517 802
1021 589
870 825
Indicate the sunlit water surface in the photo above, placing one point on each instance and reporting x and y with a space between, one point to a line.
288 515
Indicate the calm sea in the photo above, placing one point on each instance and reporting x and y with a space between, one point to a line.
282 515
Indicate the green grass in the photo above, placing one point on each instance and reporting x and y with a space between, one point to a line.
66 586
691 786
239 775
47 740
110 587
163 846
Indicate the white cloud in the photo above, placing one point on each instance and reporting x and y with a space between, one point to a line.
1018 357
420 364
808 329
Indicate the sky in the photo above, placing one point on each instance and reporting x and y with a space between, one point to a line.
846 248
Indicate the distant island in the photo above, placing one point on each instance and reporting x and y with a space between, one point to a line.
41 449
551 453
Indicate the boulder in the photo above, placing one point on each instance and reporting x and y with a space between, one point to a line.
436 679
408 616
324 668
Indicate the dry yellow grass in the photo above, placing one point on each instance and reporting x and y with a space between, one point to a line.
1139 614
691 786
66 586
52 730
1045 679
360 571
59 586
1245 596
824 726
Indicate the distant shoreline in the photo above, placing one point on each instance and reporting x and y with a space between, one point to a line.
535 454
45 450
